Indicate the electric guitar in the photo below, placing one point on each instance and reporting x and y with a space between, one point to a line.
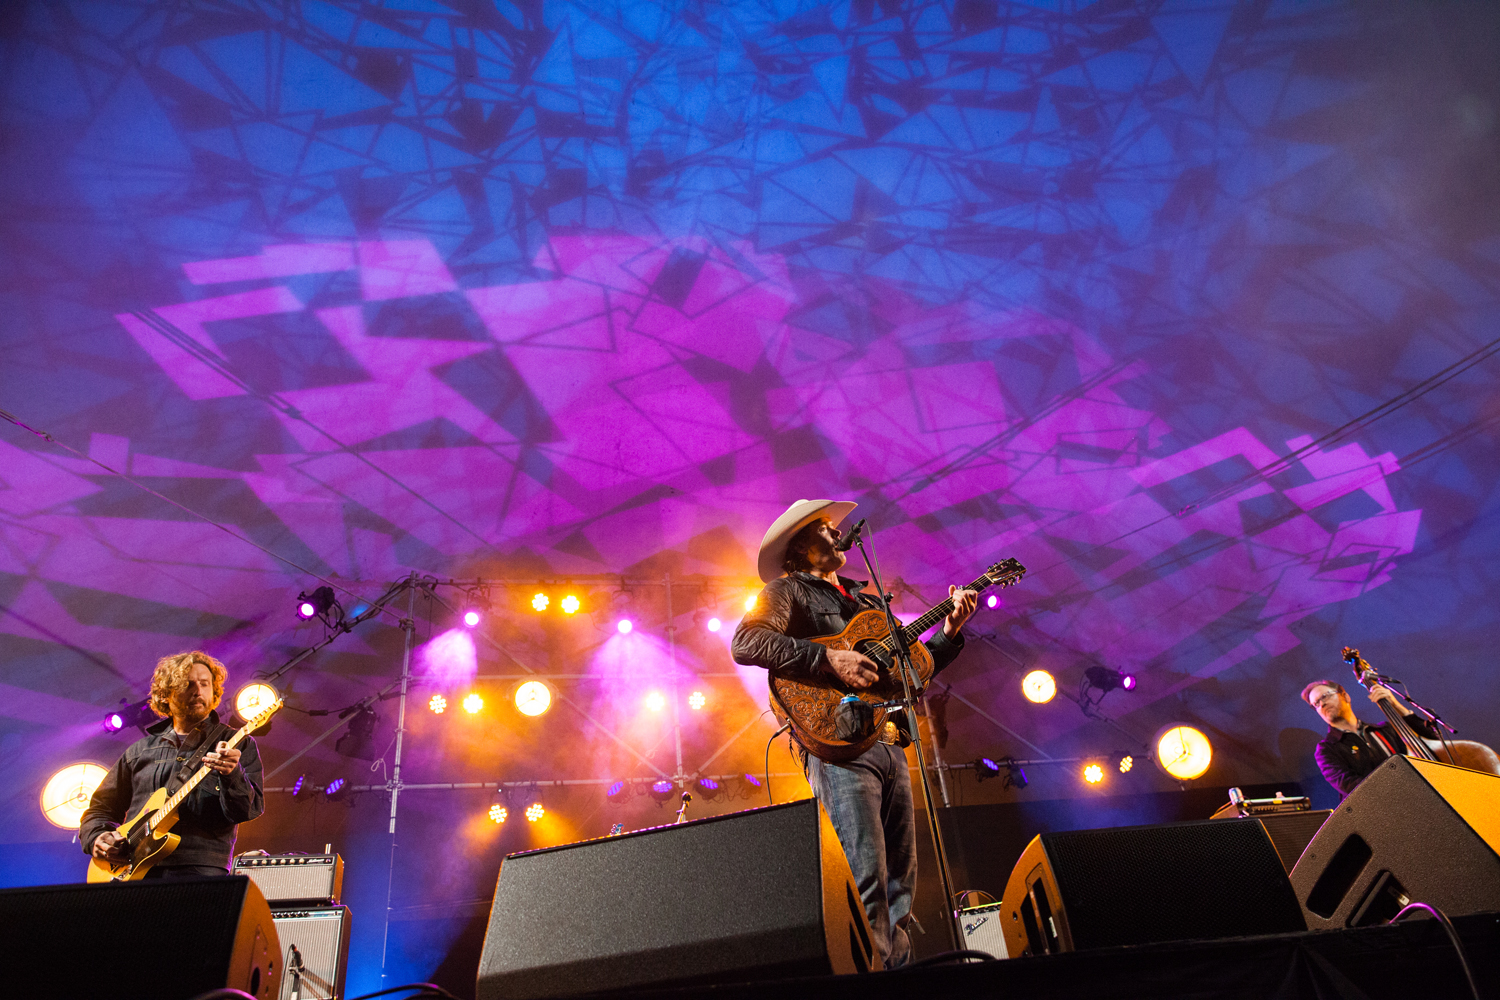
1461 753
813 706
146 837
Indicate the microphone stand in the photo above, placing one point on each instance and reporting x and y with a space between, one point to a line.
910 689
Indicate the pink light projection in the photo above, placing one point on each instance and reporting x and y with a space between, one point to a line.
448 659
1075 486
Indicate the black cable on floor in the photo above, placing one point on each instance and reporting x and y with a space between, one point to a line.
1458 946
962 955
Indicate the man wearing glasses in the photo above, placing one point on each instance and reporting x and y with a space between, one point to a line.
1352 749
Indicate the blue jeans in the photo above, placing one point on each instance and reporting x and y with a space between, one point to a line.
869 801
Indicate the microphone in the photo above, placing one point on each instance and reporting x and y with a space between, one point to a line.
847 542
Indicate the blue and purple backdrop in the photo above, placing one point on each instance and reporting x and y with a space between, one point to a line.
1183 304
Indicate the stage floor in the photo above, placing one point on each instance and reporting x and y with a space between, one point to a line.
1413 959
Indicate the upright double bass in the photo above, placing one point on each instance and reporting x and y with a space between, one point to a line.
1461 753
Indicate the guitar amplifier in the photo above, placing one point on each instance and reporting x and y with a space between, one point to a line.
321 937
983 930
288 879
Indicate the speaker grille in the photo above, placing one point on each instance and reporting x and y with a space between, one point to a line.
1211 879
320 935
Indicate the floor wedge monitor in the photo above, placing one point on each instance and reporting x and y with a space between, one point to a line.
156 939
760 894
1134 885
1412 831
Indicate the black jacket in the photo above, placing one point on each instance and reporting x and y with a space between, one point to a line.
1345 758
206 821
792 609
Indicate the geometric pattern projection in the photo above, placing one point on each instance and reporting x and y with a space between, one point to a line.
552 288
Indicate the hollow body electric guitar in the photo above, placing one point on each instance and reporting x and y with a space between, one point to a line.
1461 753
147 839
814 706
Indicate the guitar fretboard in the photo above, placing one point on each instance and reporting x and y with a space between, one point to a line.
170 806
911 633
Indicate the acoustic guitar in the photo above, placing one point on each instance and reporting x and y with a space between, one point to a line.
146 837
813 706
1460 753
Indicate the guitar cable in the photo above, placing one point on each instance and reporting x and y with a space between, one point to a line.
769 799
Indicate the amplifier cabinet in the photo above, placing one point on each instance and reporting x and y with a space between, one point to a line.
983 930
321 936
290 879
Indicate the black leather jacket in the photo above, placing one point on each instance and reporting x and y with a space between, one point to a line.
794 608
207 819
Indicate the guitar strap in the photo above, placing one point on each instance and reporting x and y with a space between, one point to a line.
212 734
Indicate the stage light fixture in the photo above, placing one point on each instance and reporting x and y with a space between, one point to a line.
570 604
498 813
713 624
438 704
1126 763
533 698
618 791
1039 687
992 601
1093 774
471 618
1107 679
334 791
656 701
253 699
130 714
359 740
540 601
1183 752
697 700
709 788
65 797
752 780
624 625
1015 774
750 603
473 702
661 790
985 768
298 785
315 604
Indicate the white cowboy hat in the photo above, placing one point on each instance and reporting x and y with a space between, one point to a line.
798 516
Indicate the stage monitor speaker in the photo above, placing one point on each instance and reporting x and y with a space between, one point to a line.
1211 878
293 879
1412 831
1291 832
321 936
760 894
156 939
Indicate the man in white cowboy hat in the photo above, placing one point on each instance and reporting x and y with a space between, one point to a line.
869 799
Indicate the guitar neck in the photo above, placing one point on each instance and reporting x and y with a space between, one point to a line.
170 806
913 632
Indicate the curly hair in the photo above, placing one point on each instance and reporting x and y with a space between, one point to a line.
171 675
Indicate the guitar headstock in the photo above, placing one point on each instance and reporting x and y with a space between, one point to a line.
263 716
1005 573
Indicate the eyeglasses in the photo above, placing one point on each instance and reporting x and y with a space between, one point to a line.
1330 696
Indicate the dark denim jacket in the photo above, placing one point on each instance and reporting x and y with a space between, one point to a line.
792 609
1346 758
206 821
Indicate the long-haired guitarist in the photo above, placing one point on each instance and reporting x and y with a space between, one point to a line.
185 689
1352 749
869 799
